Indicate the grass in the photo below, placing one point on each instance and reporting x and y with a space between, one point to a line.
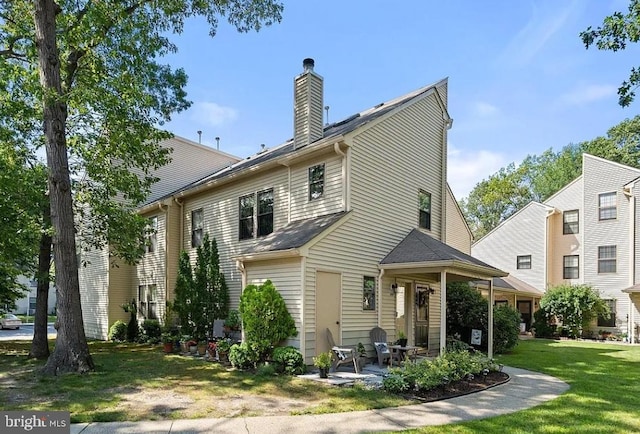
604 396
138 382
30 318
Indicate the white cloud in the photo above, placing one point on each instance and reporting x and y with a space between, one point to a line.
588 93
213 114
484 109
543 24
467 168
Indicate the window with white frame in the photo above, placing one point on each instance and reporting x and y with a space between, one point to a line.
256 220
197 227
316 181
148 301
611 321
570 223
265 212
607 206
571 267
151 235
424 209
523 262
607 256
369 293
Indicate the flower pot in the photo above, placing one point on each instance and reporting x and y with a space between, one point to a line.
402 342
193 349
202 349
324 372
168 347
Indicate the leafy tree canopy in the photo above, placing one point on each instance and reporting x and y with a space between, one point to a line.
616 31
498 197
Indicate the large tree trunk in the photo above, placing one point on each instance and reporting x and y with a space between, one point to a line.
40 343
71 353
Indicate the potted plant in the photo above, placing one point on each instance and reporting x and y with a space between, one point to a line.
222 347
323 363
232 325
202 347
362 356
167 342
402 339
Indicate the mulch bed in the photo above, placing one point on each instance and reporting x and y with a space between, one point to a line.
462 387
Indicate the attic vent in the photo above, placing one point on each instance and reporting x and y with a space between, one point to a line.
379 105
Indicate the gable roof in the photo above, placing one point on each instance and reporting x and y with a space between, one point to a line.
331 133
294 235
420 248
516 285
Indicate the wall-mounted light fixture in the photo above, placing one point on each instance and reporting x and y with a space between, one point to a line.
431 290
394 288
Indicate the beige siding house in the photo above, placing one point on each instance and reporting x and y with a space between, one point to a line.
585 233
348 220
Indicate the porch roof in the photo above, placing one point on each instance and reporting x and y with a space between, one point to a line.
292 237
420 252
632 289
512 285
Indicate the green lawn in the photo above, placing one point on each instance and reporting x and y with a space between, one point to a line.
30 318
138 382
604 396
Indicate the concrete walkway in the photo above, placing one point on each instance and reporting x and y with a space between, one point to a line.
525 389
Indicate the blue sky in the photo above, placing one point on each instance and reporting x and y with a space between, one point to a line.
520 79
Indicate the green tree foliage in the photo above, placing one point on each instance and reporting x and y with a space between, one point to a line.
85 79
467 309
496 198
575 306
616 31
202 295
265 319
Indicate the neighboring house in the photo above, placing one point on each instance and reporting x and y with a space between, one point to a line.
340 218
27 304
585 233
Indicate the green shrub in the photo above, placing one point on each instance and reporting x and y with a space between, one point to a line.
266 370
542 324
506 328
265 319
289 360
428 374
151 330
118 331
242 357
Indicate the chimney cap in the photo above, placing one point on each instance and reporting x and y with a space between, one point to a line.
308 64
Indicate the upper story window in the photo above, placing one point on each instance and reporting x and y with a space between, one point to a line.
424 209
151 236
265 212
197 227
247 204
523 262
607 206
316 181
369 293
570 224
571 267
260 217
607 259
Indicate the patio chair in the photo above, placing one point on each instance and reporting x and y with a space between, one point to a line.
379 341
341 355
218 328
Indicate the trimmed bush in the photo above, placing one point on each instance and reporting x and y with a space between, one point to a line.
242 356
506 328
265 319
151 330
118 331
289 360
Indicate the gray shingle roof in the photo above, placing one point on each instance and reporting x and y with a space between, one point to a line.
418 247
333 130
510 282
294 235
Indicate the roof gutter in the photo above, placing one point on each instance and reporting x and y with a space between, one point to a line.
493 272
273 254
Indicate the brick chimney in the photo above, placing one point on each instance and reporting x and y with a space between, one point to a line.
307 106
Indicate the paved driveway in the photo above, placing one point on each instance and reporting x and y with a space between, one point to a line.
25 333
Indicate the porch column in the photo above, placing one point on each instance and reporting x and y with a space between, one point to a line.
490 333
443 312
632 330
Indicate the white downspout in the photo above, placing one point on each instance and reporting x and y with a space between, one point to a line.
443 312
166 257
628 191
447 123
380 275
181 204
303 325
345 175
490 334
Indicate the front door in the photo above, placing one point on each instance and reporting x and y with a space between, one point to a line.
328 287
422 316
524 307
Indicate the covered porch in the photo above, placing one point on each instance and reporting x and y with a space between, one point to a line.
417 271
